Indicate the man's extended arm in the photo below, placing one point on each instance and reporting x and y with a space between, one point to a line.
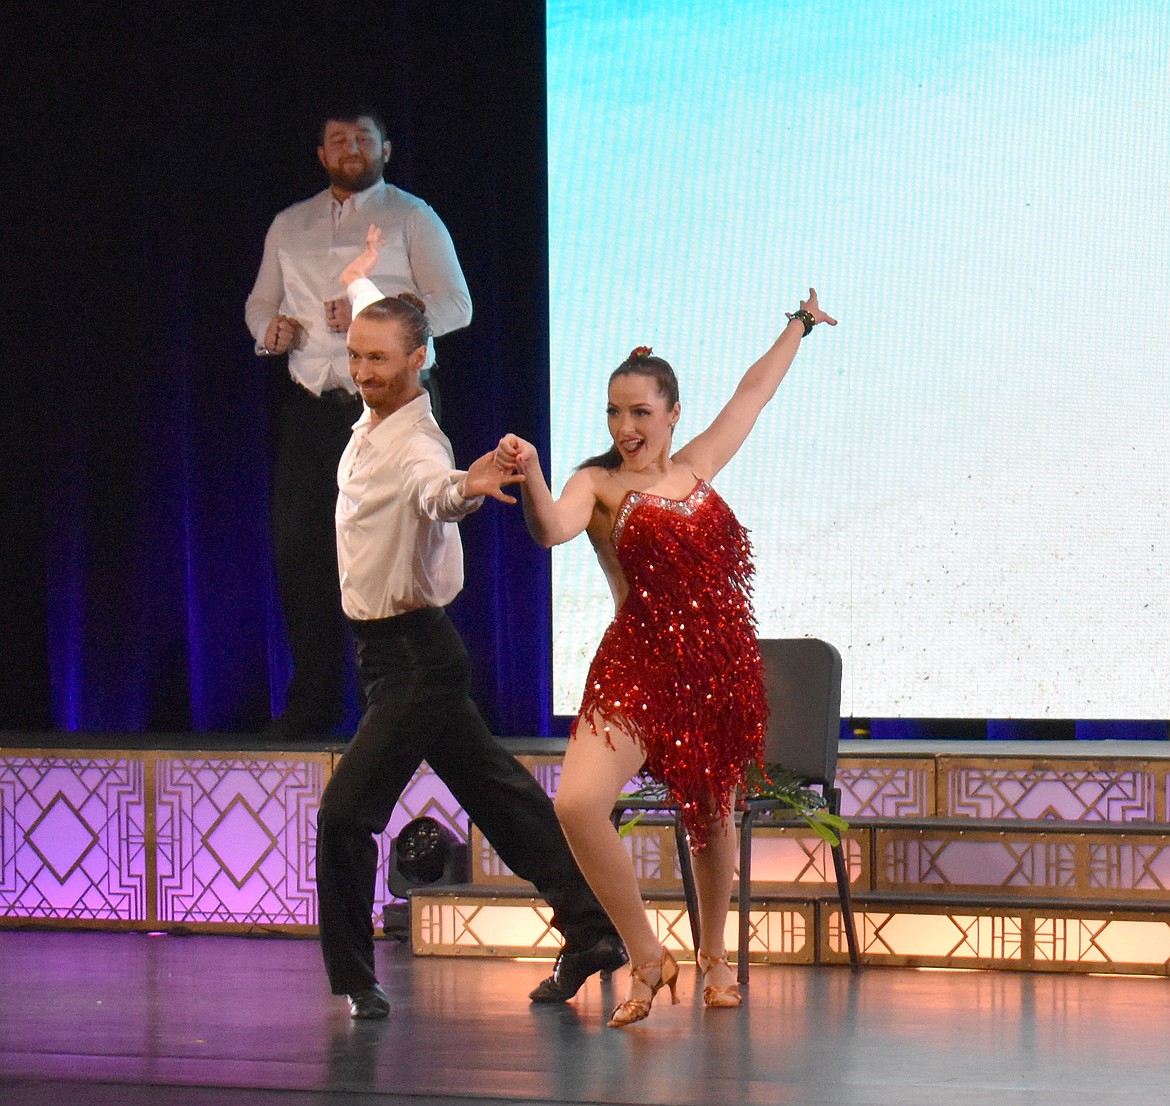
447 494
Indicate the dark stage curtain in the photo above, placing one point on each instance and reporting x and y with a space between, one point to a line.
154 150
149 152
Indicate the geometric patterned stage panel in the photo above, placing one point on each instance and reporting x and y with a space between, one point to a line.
235 839
903 934
1085 792
1121 789
178 841
980 859
998 786
877 787
457 924
1029 861
73 837
924 935
785 858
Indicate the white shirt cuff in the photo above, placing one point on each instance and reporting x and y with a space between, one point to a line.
362 292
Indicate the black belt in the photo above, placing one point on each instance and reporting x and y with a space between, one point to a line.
378 629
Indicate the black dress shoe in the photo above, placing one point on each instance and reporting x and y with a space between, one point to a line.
370 1004
573 968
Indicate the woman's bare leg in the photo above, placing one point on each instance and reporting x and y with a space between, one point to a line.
592 777
714 876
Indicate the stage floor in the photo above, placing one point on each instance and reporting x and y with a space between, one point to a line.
104 1018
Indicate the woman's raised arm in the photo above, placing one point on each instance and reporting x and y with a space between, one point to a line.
709 451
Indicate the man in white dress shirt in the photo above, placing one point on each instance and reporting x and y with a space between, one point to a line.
401 561
298 307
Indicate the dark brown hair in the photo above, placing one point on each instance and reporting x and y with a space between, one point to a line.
641 362
406 309
349 113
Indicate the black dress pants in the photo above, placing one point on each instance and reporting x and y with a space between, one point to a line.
415 673
312 434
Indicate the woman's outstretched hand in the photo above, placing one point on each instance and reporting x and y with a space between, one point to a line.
514 453
814 309
363 264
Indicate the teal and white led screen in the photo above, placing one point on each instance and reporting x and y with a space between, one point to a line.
964 486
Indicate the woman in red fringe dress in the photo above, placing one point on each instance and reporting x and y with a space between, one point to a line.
676 687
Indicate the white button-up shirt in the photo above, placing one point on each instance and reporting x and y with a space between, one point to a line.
398 503
310 243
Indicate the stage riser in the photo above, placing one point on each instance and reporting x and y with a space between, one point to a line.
781 860
936 858
473 925
1127 868
1006 788
183 839
1006 937
991 786
807 932
175 841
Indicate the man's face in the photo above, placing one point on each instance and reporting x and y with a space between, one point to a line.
353 154
382 367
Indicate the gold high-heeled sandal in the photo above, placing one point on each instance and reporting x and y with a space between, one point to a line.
635 1009
724 997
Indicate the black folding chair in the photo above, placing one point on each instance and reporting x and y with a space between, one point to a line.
802 677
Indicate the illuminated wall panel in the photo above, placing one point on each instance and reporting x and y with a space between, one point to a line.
1025 862
975 936
226 842
887 787
73 837
1069 790
235 839
460 925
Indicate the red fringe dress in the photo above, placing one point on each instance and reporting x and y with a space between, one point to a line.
679 667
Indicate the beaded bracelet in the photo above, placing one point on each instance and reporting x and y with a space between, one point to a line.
805 317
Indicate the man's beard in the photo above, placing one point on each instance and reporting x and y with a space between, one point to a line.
356 180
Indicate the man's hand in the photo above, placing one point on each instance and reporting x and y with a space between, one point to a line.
338 315
283 334
485 477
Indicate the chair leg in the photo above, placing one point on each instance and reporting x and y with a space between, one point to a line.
843 889
846 905
745 895
688 878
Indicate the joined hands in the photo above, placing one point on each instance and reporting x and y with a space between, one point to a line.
514 454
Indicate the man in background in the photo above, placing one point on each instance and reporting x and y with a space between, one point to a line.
298 307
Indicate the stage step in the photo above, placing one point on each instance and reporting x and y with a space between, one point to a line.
511 921
1128 863
904 930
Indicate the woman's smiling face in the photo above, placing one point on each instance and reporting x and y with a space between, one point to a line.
640 422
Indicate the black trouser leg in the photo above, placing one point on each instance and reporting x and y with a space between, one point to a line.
313 434
517 817
355 809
